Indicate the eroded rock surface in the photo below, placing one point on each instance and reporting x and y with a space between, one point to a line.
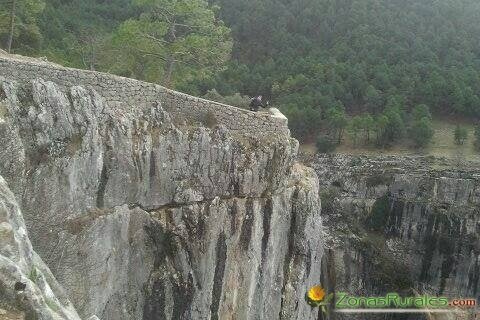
27 287
401 224
141 216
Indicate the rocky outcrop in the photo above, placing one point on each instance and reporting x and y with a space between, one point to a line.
401 224
26 284
256 256
141 215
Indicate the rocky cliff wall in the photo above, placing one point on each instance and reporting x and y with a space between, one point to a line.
401 224
27 287
140 215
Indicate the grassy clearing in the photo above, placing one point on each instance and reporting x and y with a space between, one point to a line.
443 144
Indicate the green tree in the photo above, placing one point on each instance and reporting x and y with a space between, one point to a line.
477 137
354 127
421 111
368 125
336 121
460 134
18 24
421 132
332 51
172 41
381 123
325 144
304 122
373 99
394 128
77 33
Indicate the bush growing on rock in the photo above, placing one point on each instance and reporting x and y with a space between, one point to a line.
210 120
379 215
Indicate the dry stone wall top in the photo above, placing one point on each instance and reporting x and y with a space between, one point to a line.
128 94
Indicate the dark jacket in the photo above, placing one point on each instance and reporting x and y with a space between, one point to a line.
256 103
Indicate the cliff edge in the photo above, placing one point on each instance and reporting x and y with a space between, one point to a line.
146 203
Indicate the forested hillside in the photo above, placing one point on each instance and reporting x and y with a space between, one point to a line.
316 59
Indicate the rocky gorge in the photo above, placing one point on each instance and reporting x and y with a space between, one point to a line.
406 224
121 199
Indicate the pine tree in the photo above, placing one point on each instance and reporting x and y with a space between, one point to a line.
460 135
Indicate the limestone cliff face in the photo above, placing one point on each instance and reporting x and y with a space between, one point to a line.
141 213
405 224
26 283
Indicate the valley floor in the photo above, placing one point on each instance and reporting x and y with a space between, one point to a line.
443 144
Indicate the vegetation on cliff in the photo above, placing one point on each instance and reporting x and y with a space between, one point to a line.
378 59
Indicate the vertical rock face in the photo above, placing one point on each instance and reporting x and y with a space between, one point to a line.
141 216
237 258
26 283
401 224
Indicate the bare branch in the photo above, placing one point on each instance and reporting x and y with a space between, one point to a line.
148 53
153 38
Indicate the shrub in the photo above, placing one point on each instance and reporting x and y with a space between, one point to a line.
213 95
328 197
460 135
477 137
325 144
210 120
236 100
34 275
379 215
378 179
52 304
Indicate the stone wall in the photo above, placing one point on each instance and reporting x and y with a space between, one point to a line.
129 94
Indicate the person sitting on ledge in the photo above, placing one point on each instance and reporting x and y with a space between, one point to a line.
256 103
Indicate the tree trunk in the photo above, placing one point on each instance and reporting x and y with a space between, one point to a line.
168 72
92 54
12 25
340 134
167 79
